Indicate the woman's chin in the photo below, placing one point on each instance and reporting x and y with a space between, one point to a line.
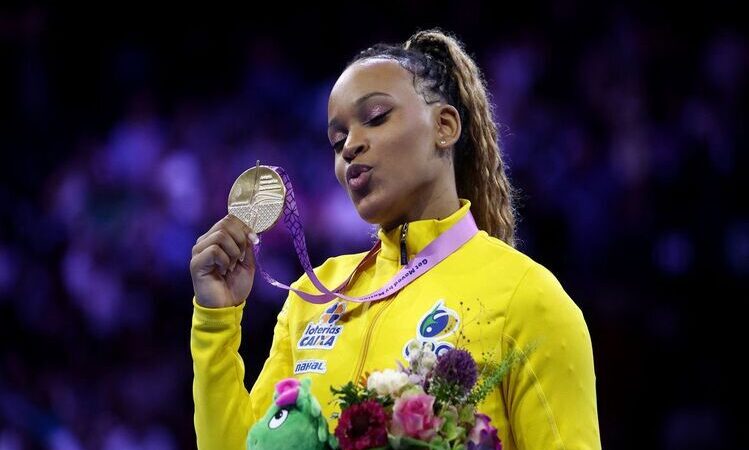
368 207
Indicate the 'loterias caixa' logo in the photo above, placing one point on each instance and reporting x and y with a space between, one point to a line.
323 333
438 323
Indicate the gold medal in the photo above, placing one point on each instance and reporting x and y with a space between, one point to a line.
257 197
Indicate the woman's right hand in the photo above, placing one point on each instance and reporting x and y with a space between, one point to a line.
223 264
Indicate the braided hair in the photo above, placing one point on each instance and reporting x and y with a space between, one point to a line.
443 71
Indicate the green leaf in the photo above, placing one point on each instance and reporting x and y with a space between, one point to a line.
467 414
417 443
450 429
351 394
395 441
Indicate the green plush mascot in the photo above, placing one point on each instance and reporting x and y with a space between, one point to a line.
294 419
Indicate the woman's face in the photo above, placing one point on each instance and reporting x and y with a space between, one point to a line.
376 118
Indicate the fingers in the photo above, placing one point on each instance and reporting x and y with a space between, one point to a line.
233 225
229 236
212 257
224 239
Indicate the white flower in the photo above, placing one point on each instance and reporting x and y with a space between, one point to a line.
425 363
414 351
428 360
387 382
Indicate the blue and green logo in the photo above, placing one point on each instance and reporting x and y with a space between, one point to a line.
437 324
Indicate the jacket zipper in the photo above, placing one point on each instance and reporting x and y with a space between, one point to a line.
370 329
367 338
404 255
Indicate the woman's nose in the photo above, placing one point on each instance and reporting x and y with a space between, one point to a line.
353 146
352 151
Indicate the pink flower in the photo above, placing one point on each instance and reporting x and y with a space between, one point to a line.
413 416
483 436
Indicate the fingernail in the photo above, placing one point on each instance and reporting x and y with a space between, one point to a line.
253 238
241 258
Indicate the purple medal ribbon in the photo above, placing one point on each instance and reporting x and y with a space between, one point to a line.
439 249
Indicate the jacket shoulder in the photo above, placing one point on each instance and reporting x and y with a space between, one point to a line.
502 256
536 288
526 274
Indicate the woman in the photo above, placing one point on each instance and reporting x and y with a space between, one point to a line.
416 150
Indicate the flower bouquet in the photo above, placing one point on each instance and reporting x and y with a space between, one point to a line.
429 404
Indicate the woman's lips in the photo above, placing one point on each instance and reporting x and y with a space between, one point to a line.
361 181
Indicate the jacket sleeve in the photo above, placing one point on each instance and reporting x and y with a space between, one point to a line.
224 410
551 397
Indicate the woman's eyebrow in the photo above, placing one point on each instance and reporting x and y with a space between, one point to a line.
334 122
364 98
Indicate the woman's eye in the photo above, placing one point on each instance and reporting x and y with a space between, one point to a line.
378 119
374 121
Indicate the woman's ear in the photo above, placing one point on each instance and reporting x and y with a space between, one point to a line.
447 120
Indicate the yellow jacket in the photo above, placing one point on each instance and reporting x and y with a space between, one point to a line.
485 297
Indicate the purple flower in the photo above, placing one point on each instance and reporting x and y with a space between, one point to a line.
457 367
362 426
483 436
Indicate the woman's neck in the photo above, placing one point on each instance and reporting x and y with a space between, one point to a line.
438 209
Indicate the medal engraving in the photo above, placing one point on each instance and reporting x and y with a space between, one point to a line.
257 198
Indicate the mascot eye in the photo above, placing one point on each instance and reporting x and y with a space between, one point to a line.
278 419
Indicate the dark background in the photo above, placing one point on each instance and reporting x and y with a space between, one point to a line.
123 127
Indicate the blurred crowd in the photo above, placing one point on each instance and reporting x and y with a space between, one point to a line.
625 139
